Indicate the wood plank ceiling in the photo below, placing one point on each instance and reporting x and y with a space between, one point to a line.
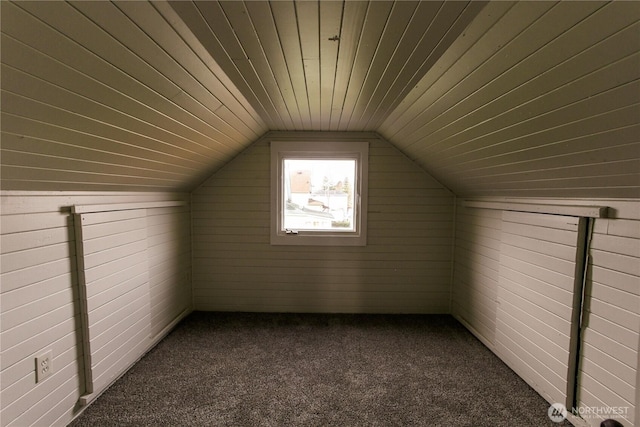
499 98
326 65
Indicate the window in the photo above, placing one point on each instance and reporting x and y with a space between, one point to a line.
318 193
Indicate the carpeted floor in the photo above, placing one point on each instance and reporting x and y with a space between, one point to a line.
257 369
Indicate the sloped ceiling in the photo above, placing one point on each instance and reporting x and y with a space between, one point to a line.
326 65
501 98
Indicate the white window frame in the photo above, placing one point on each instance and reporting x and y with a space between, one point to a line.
333 150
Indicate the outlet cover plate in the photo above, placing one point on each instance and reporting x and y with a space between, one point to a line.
44 367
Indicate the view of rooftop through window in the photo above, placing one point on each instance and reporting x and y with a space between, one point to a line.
318 194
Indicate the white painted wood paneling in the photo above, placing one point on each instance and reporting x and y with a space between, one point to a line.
39 301
608 372
169 257
106 246
477 262
532 320
405 267
535 300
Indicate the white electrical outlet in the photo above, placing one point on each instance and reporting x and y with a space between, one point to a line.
44 367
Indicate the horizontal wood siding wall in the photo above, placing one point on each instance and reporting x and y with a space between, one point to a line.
535 299
405 267
114 292
477 261
169 250
39 297
608 372
609 367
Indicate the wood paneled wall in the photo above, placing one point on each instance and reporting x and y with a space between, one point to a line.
405 267
608 364
113 272
540 263
169 251
476 266
39 296
609 370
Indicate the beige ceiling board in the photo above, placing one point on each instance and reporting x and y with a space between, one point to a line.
354 13
602 122
408 108
557 108
414 32
448 25
583 171
68 104
495 98
195 24
83 95
400 15
21 178
88 42
264 25
308 17
94 172
156 27
372 30
154 56
219 83
111 84
239 65
34 136
284 18
523 83
536 103
103 137
590 133
565 158
330 24
57 59
326 65
16 149
433 93
13 178
21 106
254 57
553 186
585 125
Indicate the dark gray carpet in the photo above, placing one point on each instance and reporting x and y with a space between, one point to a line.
256 369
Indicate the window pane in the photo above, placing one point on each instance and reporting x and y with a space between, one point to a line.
318 194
